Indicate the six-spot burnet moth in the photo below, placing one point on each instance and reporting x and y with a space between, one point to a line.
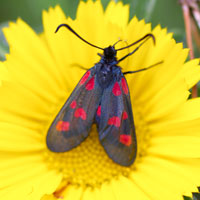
102 97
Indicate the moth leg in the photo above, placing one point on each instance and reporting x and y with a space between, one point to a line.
99 54
79 66
143 69
129 54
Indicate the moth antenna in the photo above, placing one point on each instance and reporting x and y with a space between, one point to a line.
117 42
146 36
70 29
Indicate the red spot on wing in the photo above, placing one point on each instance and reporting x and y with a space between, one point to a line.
124 115
73 104
80 113
114 121
116 89
90 84
125 139
124 86
99 111
62 126
85 77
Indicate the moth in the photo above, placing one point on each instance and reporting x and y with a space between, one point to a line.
102 96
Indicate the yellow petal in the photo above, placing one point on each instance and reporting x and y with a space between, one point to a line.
73 192
191 72
33 67
189 111
19 111
107 192
4 75
112 13
163 178
174 128
49 197
162 104
88 194
127 189
33 187
176 146
16 138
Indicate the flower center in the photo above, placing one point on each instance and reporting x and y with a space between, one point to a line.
89 165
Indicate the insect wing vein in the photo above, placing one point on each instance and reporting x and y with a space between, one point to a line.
115 126
73 122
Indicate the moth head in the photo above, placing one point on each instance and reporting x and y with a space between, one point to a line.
110 52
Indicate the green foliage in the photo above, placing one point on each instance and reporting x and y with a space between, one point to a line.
195 195
187 198
3 44
167 13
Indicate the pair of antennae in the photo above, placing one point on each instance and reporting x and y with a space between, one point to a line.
149 35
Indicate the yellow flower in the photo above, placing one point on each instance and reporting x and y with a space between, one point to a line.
38 77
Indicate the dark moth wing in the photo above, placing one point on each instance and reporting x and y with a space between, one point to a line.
73 122
115 123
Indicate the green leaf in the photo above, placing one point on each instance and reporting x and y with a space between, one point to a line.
196 196
187 198
166 13
4 48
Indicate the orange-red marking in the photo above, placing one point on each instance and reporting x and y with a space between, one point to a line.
125 139
80 113
73 104
99 111
124 115
116 89
90 84
114 121
124 86
62 126
85 77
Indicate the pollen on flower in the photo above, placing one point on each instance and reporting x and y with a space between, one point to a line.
89 165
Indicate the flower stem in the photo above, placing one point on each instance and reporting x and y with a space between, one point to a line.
186 15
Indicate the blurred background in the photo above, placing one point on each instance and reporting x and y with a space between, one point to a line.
167 13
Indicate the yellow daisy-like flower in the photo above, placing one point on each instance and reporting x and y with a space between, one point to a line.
38 77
